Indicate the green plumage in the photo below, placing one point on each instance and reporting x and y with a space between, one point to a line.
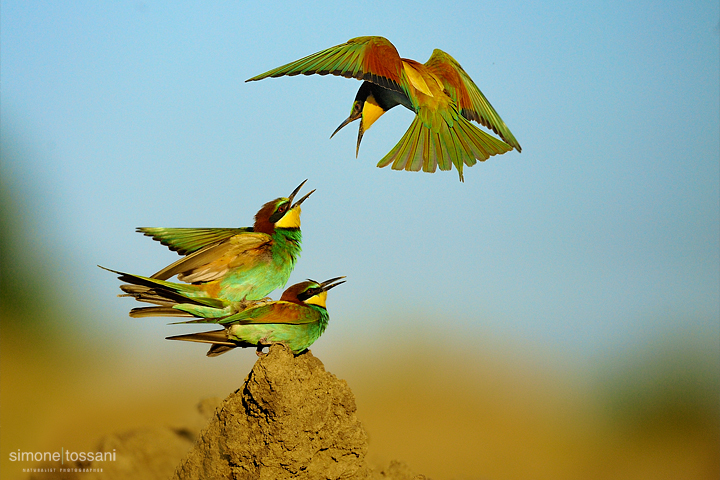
440 92
364 58
296 320
223 267
189 240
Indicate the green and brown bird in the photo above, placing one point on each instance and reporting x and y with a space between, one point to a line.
296 320
225 266
442 95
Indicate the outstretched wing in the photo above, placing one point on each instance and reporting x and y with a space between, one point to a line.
240 251
470 100
374 59
188 240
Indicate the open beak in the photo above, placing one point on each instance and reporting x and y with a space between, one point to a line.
352 118
356 113
292 195
328 284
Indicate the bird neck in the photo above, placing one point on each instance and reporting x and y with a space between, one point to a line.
323 317
286 247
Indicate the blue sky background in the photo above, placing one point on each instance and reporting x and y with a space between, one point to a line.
601 233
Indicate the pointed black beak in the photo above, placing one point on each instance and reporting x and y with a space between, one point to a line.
328 284
292 195
361 131
350 119
297 204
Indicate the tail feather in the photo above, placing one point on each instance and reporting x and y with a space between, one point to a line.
196 319
418 154
158 296
164 293
458 144
213 336
407 151
218 349
450 142
139 280
162 311
218 339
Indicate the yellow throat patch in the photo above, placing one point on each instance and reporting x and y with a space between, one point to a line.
371 112
291 219
318 299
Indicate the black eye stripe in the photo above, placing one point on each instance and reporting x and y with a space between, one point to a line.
279 212
309 293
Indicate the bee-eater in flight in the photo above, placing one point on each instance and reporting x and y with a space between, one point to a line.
223 266
442 95
296 320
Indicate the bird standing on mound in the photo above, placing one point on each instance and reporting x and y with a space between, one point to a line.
439 91
223 266
296 320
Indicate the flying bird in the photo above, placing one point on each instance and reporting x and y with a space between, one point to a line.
442 95
224 266
296 320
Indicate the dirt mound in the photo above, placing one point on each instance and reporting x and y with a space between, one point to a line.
290 420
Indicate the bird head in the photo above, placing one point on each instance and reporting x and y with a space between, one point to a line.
280 213
310 292
366 108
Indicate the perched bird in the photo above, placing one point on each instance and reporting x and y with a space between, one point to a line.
296 320
439 91
224 266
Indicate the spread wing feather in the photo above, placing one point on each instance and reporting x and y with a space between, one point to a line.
472 103
374 59
189 240
440 135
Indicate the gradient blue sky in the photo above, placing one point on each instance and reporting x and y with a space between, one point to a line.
602 232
